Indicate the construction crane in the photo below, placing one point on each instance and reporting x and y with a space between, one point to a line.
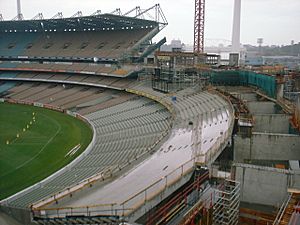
199 26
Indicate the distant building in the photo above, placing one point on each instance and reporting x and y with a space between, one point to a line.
291 62
253 59
175 45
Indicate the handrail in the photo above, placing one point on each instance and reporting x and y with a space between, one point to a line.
282 210
90 180
178 198
78 207
164 180
214 148
156 182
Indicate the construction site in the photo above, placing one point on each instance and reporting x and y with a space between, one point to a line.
178 137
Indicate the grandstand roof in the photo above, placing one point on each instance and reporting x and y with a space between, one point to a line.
101 22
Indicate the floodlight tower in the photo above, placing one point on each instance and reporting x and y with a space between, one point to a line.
236 29
260 41
199 26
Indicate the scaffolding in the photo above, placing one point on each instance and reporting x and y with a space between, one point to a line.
227 203
169 80
289 212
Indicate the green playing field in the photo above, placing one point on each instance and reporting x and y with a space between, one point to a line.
34 143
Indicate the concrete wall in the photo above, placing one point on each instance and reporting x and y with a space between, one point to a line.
264 185
247 96
271 123
261 107
264 146
14 216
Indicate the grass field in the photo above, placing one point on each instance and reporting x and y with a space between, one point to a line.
41 149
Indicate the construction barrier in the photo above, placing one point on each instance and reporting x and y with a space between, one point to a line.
245 78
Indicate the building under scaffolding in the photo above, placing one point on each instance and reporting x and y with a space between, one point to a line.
186 59
177 70
170 81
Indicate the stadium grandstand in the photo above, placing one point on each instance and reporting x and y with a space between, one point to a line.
98 44
148 157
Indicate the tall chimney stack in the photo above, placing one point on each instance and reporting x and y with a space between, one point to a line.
236 27
19 10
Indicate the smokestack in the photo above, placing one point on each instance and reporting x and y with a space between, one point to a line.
236 26
19 10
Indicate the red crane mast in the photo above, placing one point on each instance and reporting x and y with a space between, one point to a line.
199 26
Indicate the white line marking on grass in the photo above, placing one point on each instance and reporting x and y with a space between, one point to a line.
73 150
42 149
29 143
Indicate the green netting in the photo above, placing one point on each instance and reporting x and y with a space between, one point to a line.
234 77
225 77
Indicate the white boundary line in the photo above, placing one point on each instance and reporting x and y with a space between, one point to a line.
57 173
41 150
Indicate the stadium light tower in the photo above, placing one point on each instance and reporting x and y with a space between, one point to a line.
199 26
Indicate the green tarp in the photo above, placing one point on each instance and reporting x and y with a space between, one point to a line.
234 77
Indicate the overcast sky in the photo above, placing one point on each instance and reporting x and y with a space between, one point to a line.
277 21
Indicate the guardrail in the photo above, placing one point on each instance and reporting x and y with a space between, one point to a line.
88 182
157 187
38 205
178 199
125 208
137 200
92 210
282 209
108 173
131 204
103 175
